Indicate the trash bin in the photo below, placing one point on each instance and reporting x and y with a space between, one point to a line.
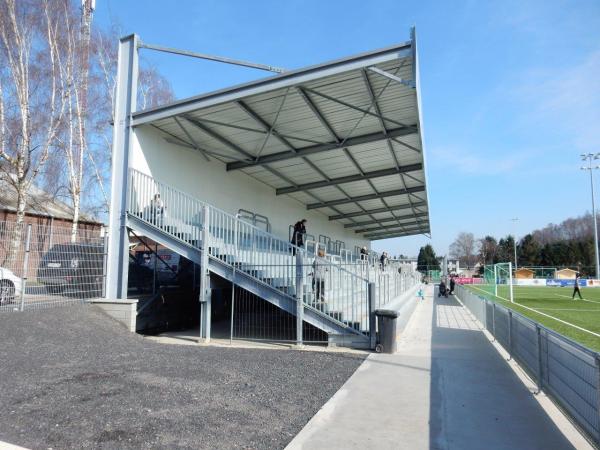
387 335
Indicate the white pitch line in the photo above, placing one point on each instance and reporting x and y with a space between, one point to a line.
569 309
560 320
553 318
579 299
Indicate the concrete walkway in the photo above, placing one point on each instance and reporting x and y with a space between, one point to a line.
446 388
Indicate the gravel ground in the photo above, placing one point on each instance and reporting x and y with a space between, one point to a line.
72 378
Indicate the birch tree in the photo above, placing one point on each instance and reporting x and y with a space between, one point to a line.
73 52
31 104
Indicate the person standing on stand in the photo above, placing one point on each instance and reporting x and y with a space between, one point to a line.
364 254
298 234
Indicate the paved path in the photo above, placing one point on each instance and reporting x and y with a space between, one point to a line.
446 388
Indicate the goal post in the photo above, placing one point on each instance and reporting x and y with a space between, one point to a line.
498 281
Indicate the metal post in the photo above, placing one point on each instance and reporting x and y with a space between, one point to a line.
154 272
233 263
125 104
510 282
495 281
104 260
494 320
25 266
595 224
515 246
509 334
205 292
597 360
51 233
299 297
232 305
372 318
539 349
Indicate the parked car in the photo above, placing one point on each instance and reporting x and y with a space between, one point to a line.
76 269
10 286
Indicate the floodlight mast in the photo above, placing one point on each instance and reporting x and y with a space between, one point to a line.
515 219
589 157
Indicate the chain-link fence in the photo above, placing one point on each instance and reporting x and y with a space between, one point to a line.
565 370
43 266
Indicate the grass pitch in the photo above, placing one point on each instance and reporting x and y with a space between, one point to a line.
554 308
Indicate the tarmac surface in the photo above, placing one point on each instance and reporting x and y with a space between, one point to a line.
447 388
70 377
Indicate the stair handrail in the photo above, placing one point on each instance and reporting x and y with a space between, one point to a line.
234 217
203 203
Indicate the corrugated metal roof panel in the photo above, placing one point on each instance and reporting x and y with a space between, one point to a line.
279 131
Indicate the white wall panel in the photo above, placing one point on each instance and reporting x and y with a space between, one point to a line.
188 171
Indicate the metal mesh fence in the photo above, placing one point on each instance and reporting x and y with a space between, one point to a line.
253 318
565 370
43 266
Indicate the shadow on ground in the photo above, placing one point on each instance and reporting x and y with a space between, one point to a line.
477 401
72 378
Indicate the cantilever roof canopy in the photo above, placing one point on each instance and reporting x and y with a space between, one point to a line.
343 138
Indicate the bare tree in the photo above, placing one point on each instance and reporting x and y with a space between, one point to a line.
153 90
72 48
31 107
464 248
488 247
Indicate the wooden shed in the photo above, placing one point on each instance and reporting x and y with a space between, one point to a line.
524 273
566 274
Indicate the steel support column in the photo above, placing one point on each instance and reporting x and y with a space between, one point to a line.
125 105
205 290
299 298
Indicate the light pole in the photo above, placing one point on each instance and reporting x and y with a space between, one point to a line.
589 157
515 219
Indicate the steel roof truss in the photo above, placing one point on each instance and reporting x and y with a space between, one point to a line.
375 211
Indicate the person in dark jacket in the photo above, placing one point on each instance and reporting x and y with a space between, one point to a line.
383 260
364 254
576 287
452 284
298 235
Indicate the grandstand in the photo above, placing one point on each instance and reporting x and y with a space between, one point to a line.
339 144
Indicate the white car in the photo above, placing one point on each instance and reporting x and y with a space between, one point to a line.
10 286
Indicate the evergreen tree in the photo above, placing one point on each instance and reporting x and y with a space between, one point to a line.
529 251
427 260
488 246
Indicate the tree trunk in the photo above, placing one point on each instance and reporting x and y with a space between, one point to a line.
16 233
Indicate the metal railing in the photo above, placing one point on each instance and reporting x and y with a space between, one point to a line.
254 218
565 370
324 285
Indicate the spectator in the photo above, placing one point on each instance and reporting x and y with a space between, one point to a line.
298 234
319 273
383 260
157 210
364 254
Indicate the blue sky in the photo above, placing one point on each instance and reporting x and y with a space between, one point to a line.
510 89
